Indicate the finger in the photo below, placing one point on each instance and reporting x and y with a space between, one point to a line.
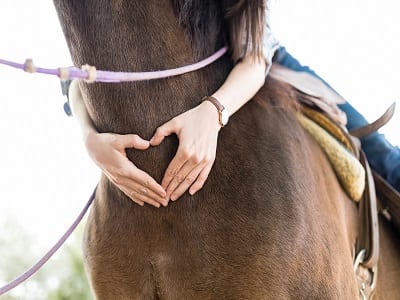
201 179
134 141
130 195
181 157
137 176
134 179
189 179
163 131
145 199
148 182
141 192
138 197
180 177
145 194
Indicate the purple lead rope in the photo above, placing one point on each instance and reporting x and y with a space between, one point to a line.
90 73
17 281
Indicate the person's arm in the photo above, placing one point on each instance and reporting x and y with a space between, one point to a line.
244 81
197 129
107 150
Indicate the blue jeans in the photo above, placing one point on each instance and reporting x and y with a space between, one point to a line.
382 156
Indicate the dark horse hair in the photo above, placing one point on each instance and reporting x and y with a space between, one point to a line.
243 21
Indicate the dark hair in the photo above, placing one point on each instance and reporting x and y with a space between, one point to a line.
209 21
246 21
203 21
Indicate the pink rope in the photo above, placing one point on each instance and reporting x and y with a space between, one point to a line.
110 76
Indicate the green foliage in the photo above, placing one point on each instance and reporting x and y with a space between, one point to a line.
73 284
62 278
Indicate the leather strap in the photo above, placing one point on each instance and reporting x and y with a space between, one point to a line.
366 260
219 107
374 126
389 199
214 101
368 238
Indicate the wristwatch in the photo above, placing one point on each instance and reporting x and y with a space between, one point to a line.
222 111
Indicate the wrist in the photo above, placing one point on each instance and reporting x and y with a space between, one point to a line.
223 114
209 114
88 133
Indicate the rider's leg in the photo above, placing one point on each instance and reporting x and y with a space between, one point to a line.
382 156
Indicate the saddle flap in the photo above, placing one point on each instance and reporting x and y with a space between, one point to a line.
315 92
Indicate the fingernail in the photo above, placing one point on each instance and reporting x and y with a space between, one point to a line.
163 201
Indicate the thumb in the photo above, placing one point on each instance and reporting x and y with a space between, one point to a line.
161 132
134 141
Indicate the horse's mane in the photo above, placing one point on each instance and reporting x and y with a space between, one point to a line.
221 22
203 22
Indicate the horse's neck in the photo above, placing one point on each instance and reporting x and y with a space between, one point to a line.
135 36
97 31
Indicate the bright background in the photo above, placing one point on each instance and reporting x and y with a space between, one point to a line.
45 173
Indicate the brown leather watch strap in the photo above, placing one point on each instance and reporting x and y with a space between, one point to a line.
219 106
214 101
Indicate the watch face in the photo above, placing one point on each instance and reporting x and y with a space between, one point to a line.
224 117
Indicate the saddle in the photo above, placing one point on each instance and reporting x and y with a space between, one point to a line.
319 105
321 117
366 184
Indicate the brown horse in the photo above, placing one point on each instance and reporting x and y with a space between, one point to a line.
271 222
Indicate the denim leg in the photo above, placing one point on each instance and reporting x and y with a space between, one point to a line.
382 156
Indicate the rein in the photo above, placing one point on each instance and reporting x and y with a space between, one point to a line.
36 267
90 74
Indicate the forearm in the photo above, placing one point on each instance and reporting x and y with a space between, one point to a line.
79 109
243 82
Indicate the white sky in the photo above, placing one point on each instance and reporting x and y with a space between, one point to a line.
46 176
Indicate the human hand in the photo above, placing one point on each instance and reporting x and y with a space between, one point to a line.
197 131
108 151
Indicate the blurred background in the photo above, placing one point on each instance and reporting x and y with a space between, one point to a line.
46 175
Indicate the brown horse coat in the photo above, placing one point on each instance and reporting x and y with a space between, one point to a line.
271 221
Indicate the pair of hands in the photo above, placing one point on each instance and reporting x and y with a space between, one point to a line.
197 131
